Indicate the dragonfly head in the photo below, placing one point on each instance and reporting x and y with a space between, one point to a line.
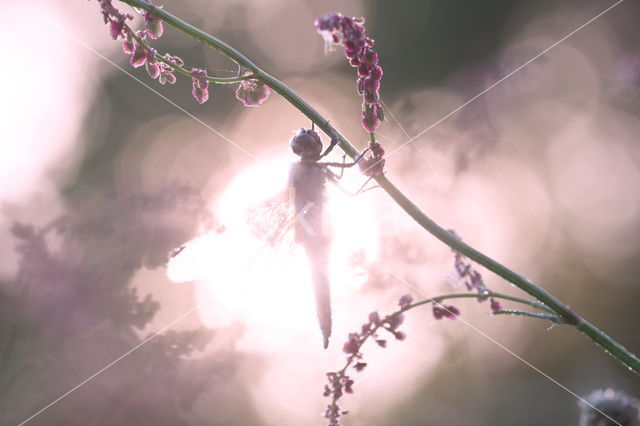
306 144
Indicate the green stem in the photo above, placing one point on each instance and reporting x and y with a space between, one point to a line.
183 70
559 308
554 319
437 299
532 303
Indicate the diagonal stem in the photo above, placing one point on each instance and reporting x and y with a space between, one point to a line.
610 346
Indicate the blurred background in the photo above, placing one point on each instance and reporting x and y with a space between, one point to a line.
102 178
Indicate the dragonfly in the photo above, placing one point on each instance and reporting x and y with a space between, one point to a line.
301 208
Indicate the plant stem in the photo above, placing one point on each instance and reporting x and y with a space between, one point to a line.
610 346
533 303
182 70
437 299
554 319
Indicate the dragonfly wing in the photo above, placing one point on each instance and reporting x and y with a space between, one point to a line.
190 261
269 221
264 228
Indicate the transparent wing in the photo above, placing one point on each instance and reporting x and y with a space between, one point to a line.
271 220
262 233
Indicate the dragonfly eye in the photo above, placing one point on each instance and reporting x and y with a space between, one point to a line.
306 144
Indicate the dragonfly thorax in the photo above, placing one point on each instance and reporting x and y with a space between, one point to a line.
307 145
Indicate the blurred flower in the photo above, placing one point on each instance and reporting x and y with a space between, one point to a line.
495 305
395 321
405 301
471 277
351 346
360 366
340 382
443 311
613 404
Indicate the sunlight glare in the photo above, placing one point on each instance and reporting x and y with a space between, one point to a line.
241 278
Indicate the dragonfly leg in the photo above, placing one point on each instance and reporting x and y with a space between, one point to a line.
332 145
345 165
362 190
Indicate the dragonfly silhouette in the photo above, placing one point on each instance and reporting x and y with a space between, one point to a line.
304 210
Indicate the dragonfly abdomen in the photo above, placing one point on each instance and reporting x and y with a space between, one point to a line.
307 180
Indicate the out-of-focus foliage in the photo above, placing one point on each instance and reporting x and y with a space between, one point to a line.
71 310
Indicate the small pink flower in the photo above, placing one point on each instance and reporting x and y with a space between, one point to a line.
495 305
252 92
153 25
370 57
139 56
348 386
375 72
405 301
452 312
400 335
153 69
359 366
114 18
370 117
396 321
200 85
128 46
167 77
374 164
351 346
115 28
